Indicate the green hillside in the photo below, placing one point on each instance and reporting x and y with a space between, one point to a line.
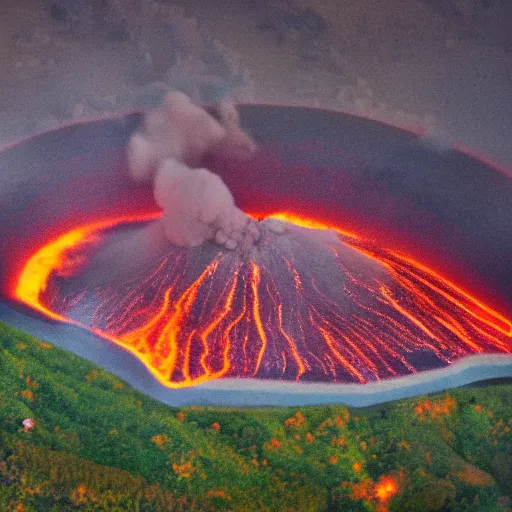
99 445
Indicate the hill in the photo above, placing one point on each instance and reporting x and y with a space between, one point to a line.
99 445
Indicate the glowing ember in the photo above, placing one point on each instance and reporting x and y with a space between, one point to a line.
309 305
386 488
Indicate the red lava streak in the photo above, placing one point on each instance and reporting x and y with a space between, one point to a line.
308 305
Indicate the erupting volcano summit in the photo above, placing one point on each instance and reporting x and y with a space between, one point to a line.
309 304
263 266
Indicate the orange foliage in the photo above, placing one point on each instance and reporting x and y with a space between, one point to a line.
183 470
357 466
296 421
215 426
180 416
33 491
500 429
32 383
160 440
81 495
333 459
435 409
341 419
274 443
309 437
327 423
27 393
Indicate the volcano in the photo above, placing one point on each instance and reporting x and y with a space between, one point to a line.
392 260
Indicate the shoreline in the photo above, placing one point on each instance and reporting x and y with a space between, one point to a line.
239 392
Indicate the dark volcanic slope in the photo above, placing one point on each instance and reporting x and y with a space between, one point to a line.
303 305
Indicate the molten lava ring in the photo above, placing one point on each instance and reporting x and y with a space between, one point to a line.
383 269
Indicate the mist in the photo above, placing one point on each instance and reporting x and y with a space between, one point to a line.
440 65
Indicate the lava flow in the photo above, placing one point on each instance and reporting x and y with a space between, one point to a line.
311 304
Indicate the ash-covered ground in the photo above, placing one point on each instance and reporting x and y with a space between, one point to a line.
441 65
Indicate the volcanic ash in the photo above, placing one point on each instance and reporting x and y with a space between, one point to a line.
167 152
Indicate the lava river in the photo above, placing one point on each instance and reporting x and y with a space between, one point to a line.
313 304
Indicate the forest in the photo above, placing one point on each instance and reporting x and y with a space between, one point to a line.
95 444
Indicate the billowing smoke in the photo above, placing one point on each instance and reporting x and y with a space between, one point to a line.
198 206
173 142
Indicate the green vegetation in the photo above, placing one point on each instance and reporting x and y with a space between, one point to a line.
99 445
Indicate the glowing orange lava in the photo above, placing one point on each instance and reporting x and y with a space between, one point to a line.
273 316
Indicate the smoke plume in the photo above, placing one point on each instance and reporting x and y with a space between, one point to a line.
198 206
167 152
